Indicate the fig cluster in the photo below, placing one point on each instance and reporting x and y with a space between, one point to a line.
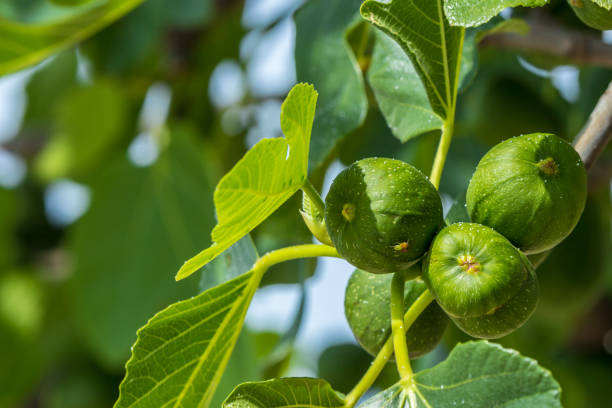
384 216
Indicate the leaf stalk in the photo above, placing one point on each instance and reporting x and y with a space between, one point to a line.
442 152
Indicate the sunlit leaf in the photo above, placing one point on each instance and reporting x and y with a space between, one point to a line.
434 47
323 57
267 176
181 353
471 13
22 45
284 393
477 375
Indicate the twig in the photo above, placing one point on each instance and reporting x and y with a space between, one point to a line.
598 130
549 38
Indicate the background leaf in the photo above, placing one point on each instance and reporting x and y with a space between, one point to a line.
434 47
89 123
267 176
23 45
142 223
476 374
22 310
284 393
470 13
181 353
323 57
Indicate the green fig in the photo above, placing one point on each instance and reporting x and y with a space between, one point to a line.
367 308
593 14
531 189
508 317
472 270
381 214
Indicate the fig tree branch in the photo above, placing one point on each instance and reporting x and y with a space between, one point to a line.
598 131
549 38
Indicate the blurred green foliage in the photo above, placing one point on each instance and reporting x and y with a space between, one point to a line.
72 296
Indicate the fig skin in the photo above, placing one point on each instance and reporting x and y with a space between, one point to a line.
367 303
381 215
592 14
472 270
508 317
531 189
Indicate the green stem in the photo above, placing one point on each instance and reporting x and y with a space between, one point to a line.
314 196
293 252
386 351
442 152
400 346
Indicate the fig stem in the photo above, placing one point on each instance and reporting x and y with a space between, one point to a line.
383 356
442 152
293 252
314 196
398 332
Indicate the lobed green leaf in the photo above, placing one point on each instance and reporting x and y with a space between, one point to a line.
267 176
476 375
284 393
471 13
181 353
22 45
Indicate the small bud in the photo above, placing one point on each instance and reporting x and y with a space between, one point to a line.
314 221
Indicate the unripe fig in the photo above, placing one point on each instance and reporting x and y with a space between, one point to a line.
508 317
367 308
472 270
593 14
381 214
531 189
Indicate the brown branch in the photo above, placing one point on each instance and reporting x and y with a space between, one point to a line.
598 130
547 37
